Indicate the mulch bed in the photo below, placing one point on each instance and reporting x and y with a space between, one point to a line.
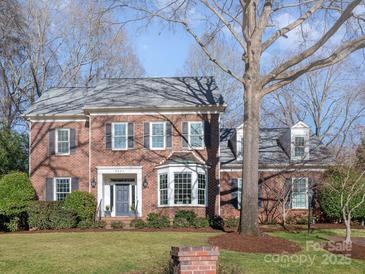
355 251
170 229
252 244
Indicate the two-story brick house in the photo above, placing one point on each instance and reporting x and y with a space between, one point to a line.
155 145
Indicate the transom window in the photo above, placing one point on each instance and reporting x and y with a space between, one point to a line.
201 189
182 183
119 136
63 141
164 199
196 134
158 130
299 146
300 193
62 188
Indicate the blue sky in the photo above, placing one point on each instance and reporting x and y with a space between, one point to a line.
161 51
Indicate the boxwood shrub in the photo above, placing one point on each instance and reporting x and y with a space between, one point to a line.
201 222
50 215
117 224
83 203
156 221
138 223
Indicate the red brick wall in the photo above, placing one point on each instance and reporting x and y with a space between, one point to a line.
273 183
77 165
43 165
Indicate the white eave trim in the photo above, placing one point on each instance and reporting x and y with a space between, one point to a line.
94 110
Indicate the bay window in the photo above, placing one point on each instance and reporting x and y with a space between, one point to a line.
182 186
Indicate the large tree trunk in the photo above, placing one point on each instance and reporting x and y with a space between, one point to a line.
249 210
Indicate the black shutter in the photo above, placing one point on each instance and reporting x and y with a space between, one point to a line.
207 134
130 135
260 195
111 197
311 190
168 135
108 136
49 189
51 142
288 192
146 135
73 140
185 134
74 184
234 193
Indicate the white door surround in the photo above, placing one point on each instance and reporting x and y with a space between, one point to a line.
110 170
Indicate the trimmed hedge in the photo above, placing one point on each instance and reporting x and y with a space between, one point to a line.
83 203
156 221
50 215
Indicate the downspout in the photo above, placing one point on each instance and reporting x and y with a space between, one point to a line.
219 165
89 116
29 147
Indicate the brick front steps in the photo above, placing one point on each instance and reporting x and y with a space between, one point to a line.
125 220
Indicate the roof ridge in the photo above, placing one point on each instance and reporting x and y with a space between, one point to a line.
156 77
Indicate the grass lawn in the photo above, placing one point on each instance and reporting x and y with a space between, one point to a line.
116 252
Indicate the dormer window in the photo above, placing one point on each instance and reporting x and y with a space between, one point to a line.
299 146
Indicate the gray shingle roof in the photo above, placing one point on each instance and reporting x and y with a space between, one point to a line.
130 93
183 158
270 150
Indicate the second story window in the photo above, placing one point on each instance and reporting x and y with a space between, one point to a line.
158 138
299 146
119 136
196 134
63 141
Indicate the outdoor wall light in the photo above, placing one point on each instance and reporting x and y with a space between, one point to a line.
145 183
93 183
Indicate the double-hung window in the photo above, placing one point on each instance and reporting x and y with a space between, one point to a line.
201 188
163 181
119 136
62 188
299 146
158 138
196 134
300 193
63 141
182 185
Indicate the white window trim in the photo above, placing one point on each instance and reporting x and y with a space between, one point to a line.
55 186
306 148
194 170
159 189
189 134
126 135
69 141
306 192
205 189
164 136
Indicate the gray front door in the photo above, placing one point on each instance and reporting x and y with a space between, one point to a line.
122 200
